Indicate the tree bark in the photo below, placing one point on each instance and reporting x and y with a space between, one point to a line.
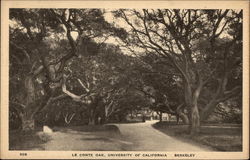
191 99
28 123
195 120
92 117
30 89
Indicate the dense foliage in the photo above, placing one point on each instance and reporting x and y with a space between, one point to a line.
186 63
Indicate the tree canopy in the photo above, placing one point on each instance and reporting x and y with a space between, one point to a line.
183 62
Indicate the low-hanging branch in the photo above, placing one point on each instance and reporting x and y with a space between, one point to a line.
84 98
72 95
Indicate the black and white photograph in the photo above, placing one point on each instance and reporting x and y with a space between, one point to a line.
125 79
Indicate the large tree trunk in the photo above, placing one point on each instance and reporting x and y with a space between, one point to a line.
29 89
92 117
191 99
195 120
33 106
28 123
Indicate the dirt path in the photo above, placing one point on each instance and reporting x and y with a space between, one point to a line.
134 137
145 138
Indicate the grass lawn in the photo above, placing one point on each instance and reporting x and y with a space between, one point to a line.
221 137
36 140
27 141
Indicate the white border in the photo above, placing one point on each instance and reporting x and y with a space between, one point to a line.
5 5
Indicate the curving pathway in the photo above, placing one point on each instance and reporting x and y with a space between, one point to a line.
143 137
134 137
